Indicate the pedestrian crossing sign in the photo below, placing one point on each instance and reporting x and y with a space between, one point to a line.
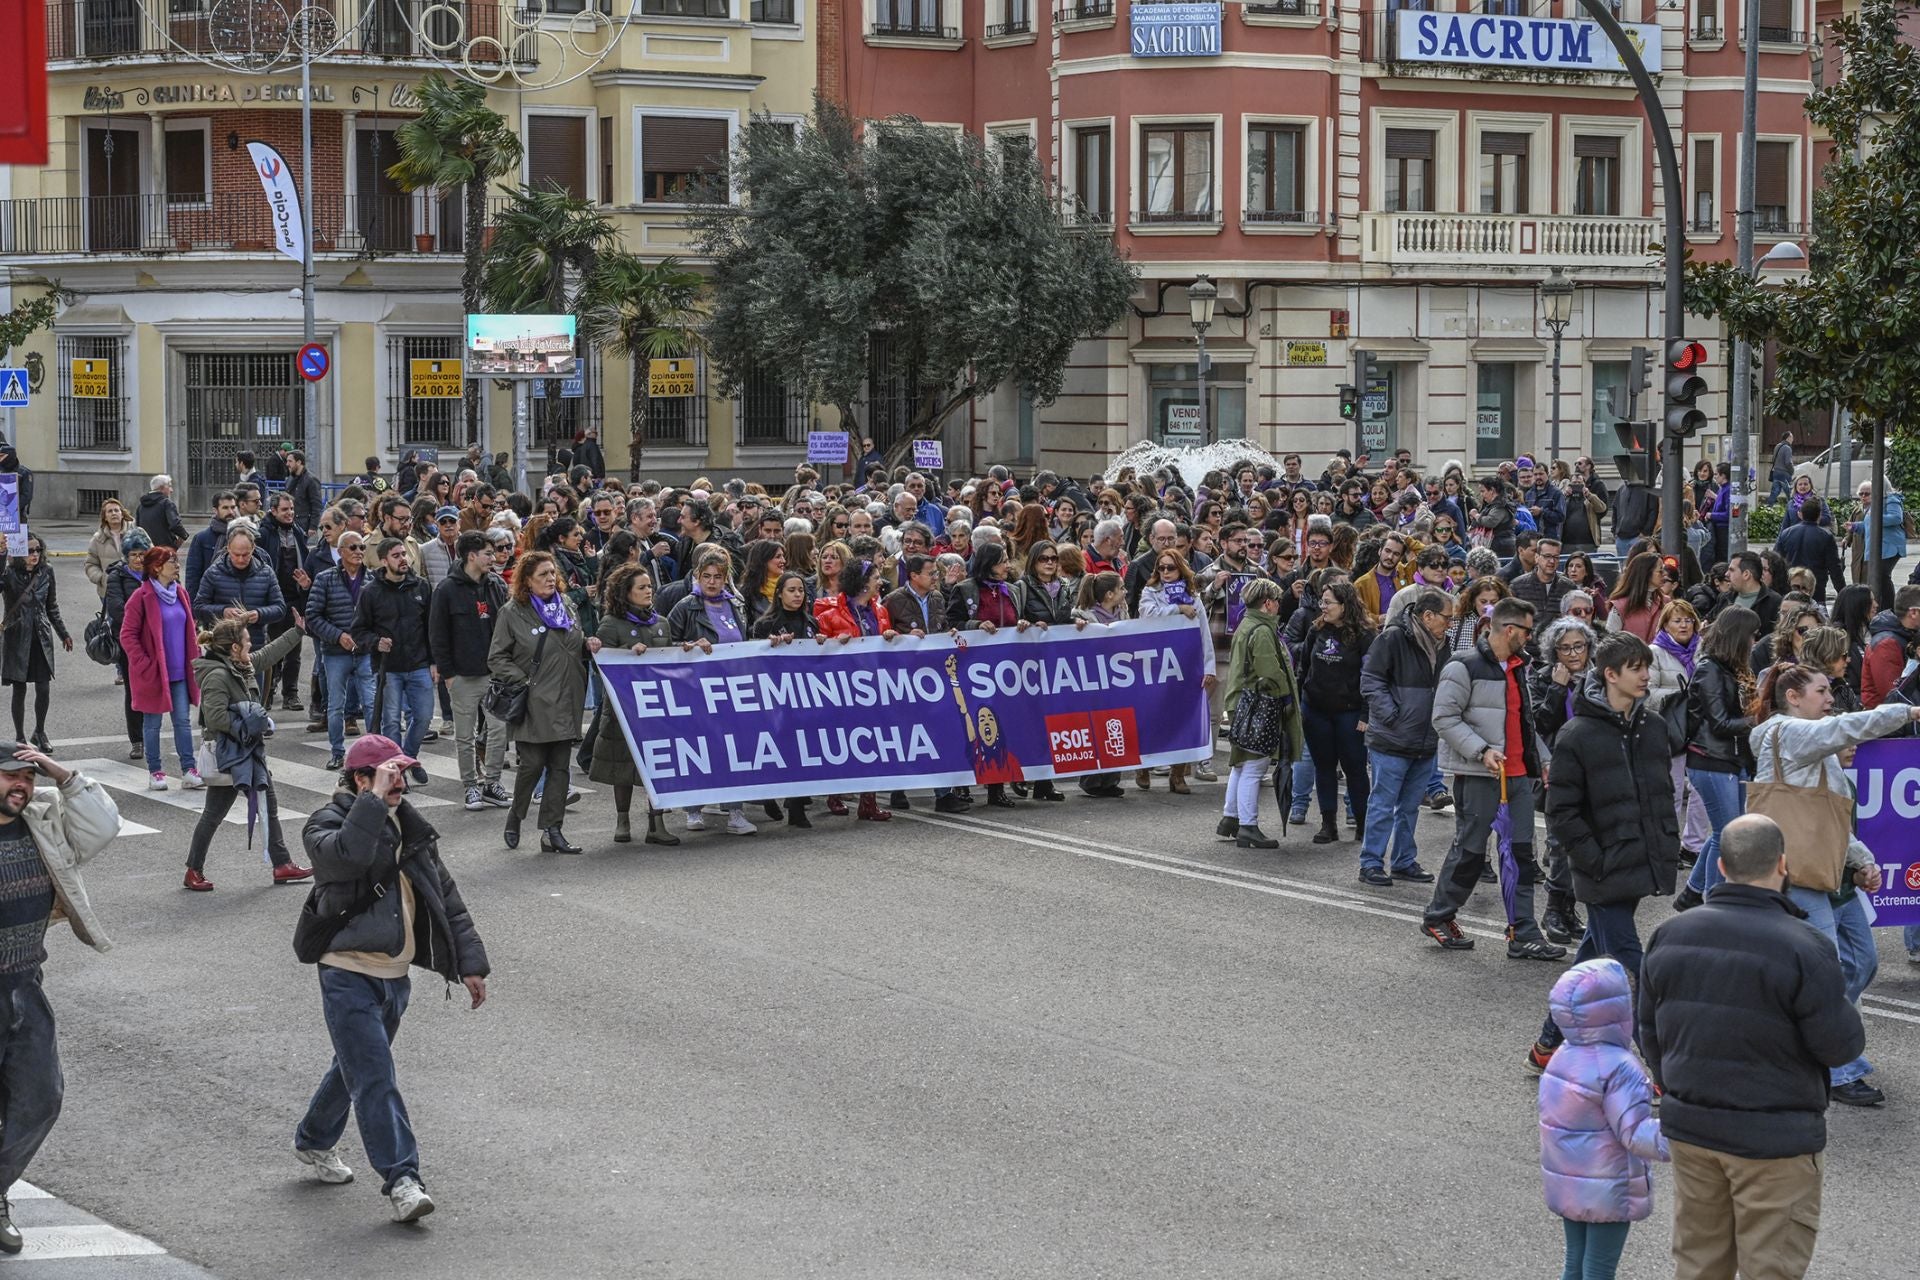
13 388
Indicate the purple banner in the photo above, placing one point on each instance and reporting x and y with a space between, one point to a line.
757 722
1886 777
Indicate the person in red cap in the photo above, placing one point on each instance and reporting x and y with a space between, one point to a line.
382 902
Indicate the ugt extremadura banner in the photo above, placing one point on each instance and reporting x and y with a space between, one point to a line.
757 722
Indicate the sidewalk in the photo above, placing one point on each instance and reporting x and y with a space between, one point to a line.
65 1243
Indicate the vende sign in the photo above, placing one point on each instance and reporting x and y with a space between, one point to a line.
1175 30
1491 39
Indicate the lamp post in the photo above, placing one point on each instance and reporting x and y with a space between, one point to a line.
1201 297
1556 299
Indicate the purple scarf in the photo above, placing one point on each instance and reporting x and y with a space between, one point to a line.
552 611
1684 654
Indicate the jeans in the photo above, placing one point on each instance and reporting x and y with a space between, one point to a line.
1476 801
31 1086
1337 745
1690 812
1725 798
182 730
1593 1249
1610 932
349 677
1910 937
1436 782
408 693
472 729
1302 786
1243 791
363 1016
1399 785
1846 927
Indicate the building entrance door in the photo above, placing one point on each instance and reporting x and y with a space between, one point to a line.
113 189
236 400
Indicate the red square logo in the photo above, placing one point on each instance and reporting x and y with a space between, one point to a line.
1115 738
1070 739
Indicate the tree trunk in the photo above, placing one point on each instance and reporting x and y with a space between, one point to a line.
636 411
902 449
471 276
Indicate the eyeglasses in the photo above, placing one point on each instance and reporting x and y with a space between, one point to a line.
1523 628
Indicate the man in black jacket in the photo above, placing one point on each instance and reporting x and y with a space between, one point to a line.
283 548
459 632
309 500
1746 588
377 861
1808 546
1743 1011
1610 806
390 622
1401 671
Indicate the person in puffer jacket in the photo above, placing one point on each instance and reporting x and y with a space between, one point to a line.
1597 1127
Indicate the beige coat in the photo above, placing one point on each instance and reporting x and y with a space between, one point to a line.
72 823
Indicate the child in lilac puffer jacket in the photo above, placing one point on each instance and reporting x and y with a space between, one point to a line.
1597 1127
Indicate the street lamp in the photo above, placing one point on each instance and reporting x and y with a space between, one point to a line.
1784 255
1556 299
1201 297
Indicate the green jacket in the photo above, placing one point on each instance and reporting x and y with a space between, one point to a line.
221 685
559 691
1259 660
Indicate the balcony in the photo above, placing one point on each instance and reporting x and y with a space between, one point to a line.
86 30
1252 14
232 222
1173 222
1087 11
1494 241
1020 26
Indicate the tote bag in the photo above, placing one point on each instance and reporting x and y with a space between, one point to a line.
1816 821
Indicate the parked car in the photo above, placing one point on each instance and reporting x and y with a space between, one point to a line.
1825 472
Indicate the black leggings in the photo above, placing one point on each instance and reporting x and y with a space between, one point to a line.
42 691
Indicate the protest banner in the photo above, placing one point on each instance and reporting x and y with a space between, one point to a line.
753 721
9 503
1886 776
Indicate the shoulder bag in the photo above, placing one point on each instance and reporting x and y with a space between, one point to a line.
314 932
1816 821
103 646
506 700
1259 719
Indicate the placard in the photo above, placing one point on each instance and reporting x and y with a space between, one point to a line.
827 446
1486 424
671 379
17 542
9 502
1307 353
928 455
435 379
91 379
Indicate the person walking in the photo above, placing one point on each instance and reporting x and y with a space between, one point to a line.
1481 711
1258 661
234 726
1397 680
160 642
460 620
1676 655
332 603
283 549
1780 471
629 621
46 834
1743 1011
239 583
1329 660
1566 652
123 579
103 548
390 624
1892 638
1805 545
388 903
1597 1127
158 517
32 624
1610 806
1720 720
537 642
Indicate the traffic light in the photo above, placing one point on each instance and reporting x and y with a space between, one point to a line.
1632 460
1639 378
1685 359
1349 402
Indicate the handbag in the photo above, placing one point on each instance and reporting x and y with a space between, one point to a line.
207 764
103 646
1816 821
1259 722
506 700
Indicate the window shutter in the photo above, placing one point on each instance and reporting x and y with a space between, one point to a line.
1776 19
673 144
1503 144
1409 144
1771 161
557 154
1586 147
186 165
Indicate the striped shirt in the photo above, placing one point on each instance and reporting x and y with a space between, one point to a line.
26 903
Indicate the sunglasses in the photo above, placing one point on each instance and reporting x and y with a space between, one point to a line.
1169 568
1046 559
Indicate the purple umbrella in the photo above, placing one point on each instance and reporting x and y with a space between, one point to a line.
1503 836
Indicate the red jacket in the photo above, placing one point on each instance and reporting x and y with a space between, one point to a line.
1880 670
147 675
835 617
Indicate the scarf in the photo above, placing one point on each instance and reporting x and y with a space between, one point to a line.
1684 654
553 611
1104 616
169 595
646 619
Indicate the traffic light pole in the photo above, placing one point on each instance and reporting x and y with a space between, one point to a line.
1673 472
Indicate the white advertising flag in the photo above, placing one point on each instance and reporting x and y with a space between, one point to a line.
283 201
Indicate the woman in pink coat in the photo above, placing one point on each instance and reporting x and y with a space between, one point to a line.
158 637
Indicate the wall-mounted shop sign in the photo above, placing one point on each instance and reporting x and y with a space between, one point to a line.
1182 30
1491 39
100 97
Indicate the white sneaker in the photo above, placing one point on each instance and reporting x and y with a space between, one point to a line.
192 781
410 1201
158 782
737 824
696 821
327 1164
1204 772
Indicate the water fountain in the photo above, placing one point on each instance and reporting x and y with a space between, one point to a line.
1192 462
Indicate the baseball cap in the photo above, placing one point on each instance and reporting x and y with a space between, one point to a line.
446 513
372 750
10 765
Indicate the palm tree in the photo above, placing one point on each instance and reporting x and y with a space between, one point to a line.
648 311
456 140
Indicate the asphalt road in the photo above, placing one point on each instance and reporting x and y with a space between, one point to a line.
1074 1040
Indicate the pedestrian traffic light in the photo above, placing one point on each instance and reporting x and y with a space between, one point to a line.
1349 402
1631 460
1639 378
1685 359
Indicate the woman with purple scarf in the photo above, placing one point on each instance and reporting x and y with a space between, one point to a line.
710 614
1676 646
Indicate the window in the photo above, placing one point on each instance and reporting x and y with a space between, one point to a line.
435 422
1511 8
1013 147
1772 166
557 154
1275 173
1409 171
1776 21
780 11
1610 405
1596 183
1176 172
1019 19
1705 215
679 155
683 419
1503 172
1092 164
93 424
771 412
908 18
606 159
687 8
186 161
1493 413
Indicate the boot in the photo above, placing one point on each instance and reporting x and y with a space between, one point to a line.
836 806
997 796
797 814
1250 836
1041 791
1574 921
1329 831
657 832
512 834
1177 780
1227 828
554 840
622 828
1554 922
773 809
870 810
1143 779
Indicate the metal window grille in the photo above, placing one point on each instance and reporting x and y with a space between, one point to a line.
236 400
87 502
771 412
682 420
893 395
93 425
440 423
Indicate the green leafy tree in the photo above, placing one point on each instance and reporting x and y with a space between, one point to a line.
458 141
956 255
646 311
28 318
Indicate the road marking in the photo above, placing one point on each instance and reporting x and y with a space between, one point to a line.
101 1240
304 777
120 775
24 1190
